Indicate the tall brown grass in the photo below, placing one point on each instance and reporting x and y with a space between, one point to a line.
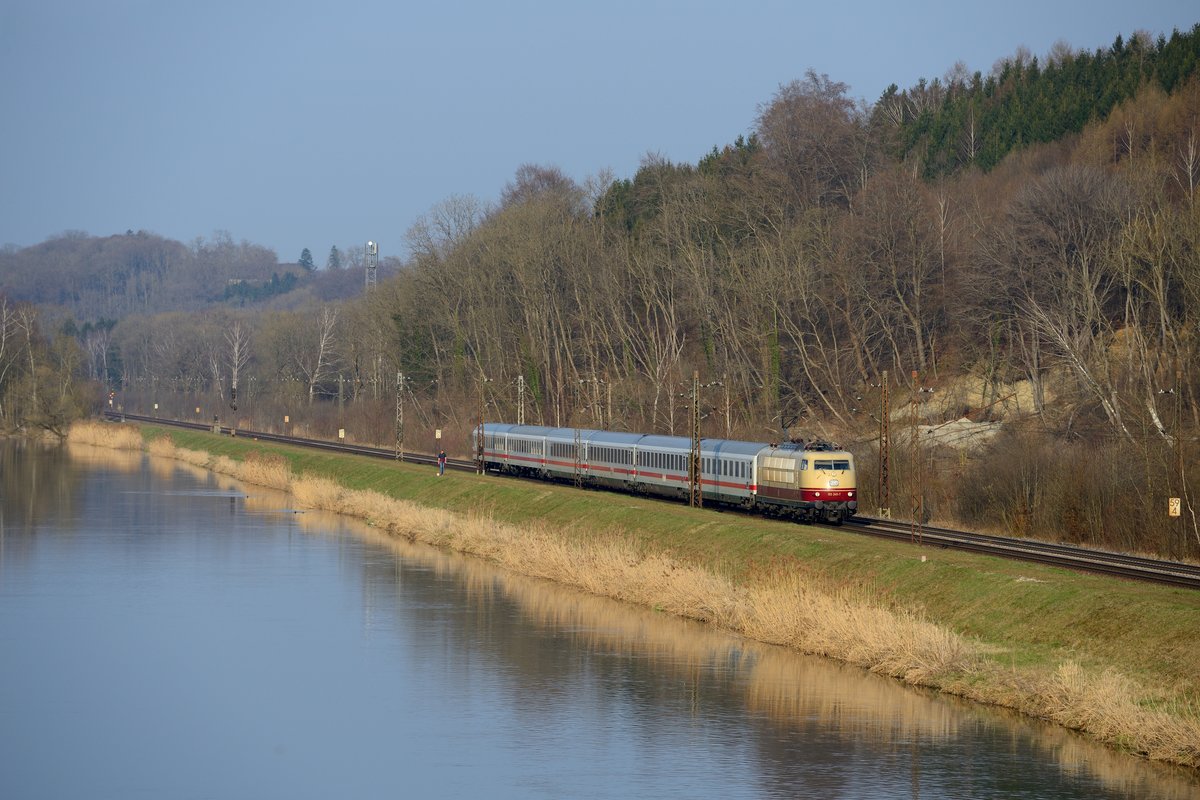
1104 705
117 437
787 609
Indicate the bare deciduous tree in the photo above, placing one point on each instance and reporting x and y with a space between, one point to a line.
809 132
237 337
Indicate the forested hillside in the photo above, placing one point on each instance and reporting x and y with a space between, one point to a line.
1047 275
969 119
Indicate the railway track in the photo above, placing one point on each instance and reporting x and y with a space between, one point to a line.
1122 565
1172 573
408 457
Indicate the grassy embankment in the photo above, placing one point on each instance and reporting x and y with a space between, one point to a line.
1116 659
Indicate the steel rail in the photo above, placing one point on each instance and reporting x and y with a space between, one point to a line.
1055 554
300 441
1060 555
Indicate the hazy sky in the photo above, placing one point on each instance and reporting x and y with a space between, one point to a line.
299 124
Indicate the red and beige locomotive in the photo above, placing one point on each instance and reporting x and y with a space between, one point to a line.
814 482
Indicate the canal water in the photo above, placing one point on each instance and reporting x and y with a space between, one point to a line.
168 633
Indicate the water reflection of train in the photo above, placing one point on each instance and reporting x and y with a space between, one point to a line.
814 482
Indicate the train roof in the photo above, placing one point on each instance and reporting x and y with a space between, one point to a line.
565 434
521 430
665 442
819 449
732 447
717 447
568 434
615 438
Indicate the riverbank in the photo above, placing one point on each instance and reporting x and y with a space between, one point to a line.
1115 659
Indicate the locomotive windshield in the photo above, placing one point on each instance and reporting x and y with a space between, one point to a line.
832 464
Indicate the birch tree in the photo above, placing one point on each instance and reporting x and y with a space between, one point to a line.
237 337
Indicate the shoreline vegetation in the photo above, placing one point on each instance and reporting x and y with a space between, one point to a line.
1117 660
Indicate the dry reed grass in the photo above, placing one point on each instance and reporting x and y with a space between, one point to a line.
790 612
787 610
100 434
1104 705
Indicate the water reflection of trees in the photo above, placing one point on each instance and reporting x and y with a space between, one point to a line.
548 641
37 482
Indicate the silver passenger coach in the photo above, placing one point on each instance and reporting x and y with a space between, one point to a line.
804 483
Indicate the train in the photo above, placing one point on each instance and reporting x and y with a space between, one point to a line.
811 482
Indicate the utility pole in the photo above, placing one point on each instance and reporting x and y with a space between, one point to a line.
479 440
695 473
1183 496
885 483
1175 501
915 478
520 399
918 496
1179 458
578 458
400 416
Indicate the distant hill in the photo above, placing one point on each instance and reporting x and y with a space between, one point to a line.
93 278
